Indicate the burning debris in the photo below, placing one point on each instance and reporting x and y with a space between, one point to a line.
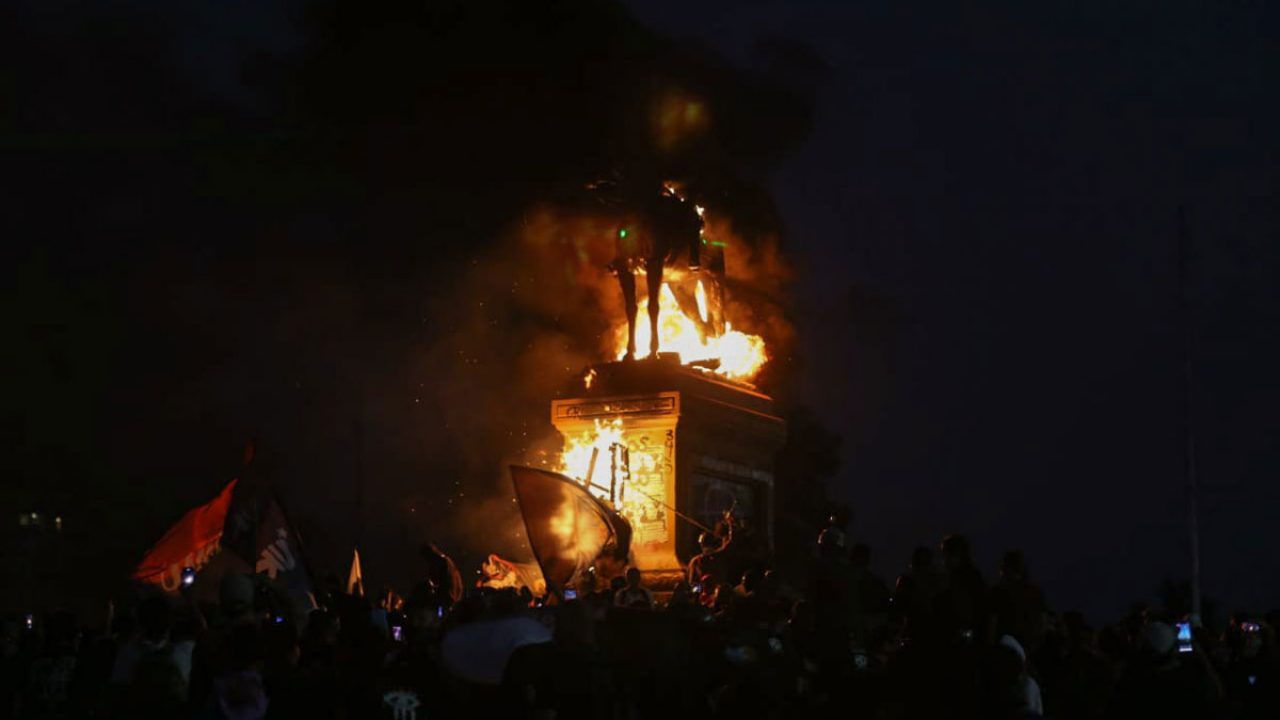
731 353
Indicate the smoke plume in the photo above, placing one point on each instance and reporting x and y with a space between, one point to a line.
353 239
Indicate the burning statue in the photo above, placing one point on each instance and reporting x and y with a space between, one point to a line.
623 492
667 246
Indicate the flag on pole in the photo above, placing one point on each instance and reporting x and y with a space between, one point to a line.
246 519
568 528
355 579
280 553
191 542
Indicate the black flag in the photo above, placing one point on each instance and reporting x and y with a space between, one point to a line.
258 530
568 528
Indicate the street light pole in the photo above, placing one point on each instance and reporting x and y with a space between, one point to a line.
1188 411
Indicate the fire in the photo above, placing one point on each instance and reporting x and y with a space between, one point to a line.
740 355
631 469
576 459
593 458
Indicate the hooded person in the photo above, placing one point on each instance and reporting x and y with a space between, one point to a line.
1030 689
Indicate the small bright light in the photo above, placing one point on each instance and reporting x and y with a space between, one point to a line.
622 233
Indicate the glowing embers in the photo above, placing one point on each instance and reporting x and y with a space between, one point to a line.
733 353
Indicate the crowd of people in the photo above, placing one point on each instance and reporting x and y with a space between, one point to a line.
732 639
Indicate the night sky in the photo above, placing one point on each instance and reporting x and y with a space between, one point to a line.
987 213
981 206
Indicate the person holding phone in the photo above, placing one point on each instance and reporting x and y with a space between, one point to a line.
1165 683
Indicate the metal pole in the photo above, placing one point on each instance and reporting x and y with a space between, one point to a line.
626 473
591 467
614 452
1188 411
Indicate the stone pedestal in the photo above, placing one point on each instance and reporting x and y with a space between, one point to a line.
695 443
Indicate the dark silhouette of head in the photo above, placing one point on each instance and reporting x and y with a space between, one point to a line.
155 617
830 542
955 552
633 577
574 625
860 555
1013 566
921 558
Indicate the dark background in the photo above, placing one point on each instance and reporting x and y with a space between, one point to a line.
987 209
234 220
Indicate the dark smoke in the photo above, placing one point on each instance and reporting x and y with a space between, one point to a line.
348 237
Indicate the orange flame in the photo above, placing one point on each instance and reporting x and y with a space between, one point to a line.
575 459
740 355
621 465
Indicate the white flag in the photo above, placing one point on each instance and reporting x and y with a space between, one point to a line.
355 580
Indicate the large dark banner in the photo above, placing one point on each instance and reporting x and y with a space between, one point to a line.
568 528
259 532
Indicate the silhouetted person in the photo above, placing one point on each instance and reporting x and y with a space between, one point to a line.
565 678
1160 684
917 589
153 670
1017 606
442 574
962 607
708 568
872 593
633 594
1005 681
832 594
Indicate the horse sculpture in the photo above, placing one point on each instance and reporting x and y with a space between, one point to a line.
666 244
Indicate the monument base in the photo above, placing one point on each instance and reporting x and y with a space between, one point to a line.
674 448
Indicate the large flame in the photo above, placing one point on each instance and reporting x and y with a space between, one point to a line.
575 459
740 355
629 471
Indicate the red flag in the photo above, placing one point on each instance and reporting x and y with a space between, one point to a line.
568 528
189 543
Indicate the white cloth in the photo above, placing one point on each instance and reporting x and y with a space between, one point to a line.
478 652
1031 695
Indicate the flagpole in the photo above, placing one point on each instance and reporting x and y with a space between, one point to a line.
1188 414
357 427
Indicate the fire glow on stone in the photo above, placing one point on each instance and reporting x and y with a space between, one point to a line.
741 355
